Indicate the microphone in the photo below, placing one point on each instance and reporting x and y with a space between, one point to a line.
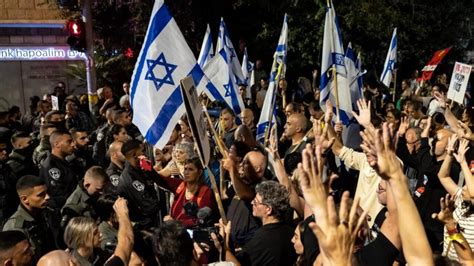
204 215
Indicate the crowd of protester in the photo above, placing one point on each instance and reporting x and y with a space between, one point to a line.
79 189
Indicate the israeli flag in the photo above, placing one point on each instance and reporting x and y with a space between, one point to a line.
278 70
354 75
207 48
219 71
164 60
350 135
333 57
247 70
224 42
389 65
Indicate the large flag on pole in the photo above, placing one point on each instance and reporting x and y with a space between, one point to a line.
207 50
247 71
390 61
165 59
333 58
430 67
219 71
278 68
350 135
223 41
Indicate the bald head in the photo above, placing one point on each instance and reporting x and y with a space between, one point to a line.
57 257
296 125
248 118
257 161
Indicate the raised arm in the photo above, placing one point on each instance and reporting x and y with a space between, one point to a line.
444 171
388 167
461 158
243 191
125 232
457 238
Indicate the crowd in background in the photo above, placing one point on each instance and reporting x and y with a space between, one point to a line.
81 189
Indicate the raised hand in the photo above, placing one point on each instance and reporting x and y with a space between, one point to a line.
387 164
404 125
464 131
338 238
445 215
310 173
426 131
440 98
364 116
321 136
463 148
329 112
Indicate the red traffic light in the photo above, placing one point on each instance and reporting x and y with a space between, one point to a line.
77 34
75 27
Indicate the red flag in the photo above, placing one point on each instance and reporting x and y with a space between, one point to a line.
428 70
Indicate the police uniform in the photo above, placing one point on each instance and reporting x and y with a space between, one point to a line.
108 240
36 229
21 165
113 172
78 204
41 152
100 148
60 180
135 186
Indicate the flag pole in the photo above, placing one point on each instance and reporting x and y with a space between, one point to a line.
394 85
220 145
270 115
334 72
217 195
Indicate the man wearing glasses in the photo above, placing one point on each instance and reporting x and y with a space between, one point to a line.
271 244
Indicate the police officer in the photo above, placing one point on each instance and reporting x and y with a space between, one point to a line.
99 149
30 217
20 159
136 185
123 118
117 163
44 148
82 200
81 159
8 198
60 178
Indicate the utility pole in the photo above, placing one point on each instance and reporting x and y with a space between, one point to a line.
90 64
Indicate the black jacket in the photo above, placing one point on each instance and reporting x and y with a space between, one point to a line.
137 187
60 179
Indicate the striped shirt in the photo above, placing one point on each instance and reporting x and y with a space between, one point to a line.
466 223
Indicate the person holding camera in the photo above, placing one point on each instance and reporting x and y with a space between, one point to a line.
191 194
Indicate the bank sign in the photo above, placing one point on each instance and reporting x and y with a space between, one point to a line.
10 53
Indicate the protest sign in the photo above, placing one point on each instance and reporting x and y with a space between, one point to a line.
459 79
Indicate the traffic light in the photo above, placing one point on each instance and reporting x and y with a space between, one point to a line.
77 34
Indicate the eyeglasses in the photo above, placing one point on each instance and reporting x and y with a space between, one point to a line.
255 202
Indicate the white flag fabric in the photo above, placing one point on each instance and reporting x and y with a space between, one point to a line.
350 135
219 71
247 71
207 48
333 57
224 42
390 61
165 59
278 69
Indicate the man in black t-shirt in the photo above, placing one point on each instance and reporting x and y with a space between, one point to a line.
271 244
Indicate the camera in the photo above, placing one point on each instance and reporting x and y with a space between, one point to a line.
202 231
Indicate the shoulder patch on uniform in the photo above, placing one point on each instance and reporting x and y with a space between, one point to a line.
114 179
139 186
100 136
54 173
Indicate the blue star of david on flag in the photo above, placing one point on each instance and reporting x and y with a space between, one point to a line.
227 88
169 68
391 65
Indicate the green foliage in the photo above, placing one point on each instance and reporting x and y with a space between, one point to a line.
423 27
